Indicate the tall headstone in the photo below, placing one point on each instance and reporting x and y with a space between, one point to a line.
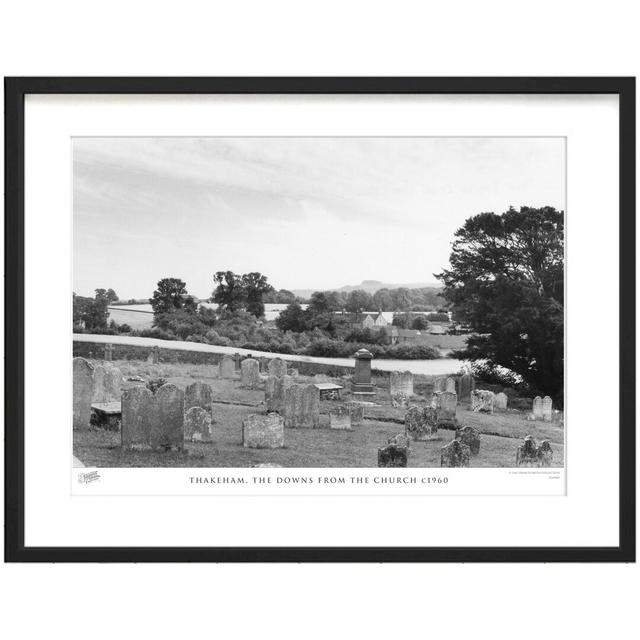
113 383
439 384
274 390
263 431
466 384
445 405
198 394
455 454
340 418
250 373
470 437
356 413
482 401
500 401
450 385
154 355
137 418
82 393
392 456
108 352
277 367
302 407
361 384
237 359
264 364
197 425
227 368
537 408
401 382
99 391
547 409
167 430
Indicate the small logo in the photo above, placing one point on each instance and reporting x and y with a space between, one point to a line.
86 478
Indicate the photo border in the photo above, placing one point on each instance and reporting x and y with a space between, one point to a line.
15 91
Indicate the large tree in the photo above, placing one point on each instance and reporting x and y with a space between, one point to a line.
229 293
506 281
255 286
169 296
359 300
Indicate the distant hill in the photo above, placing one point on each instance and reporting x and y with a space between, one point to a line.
370 286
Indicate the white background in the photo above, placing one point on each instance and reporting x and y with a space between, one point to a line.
328 38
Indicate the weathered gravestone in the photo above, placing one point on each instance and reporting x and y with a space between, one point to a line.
237 359
227 368
466 384
340 418
470 437
294 373
361 383
450 385
482 401
455 454
400 440
99 391
356 413
445 406
500 401
264 364
302 407
197 425
530 454
439 384
274 390
82 393
421 424
547 409
167 430
399 401
154 355
250 373
263 431
198 394
108 352
401 382
113 383
277 367
537 408
392 456
137 418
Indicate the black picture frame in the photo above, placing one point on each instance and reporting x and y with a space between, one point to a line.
15 91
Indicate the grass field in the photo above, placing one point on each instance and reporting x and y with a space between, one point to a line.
501 433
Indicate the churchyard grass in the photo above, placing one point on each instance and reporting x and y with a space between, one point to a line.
501 433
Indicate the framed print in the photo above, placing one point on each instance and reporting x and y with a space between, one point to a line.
320 319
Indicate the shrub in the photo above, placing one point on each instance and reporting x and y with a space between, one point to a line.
155 383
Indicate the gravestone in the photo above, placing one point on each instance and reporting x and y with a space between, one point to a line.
340 418
450 385
274 390
446 403
227 368
263 431
421 424
356 413
455 454
470 437
167 430
401 382
264 364
277 367
399 401
547 409
108 352
82 393
294 373
302 407
500 401
392 456
466 384
482 401
137 418
545 453
401 440
197 425
99 390
154 356
198 394
439 384
237 359
537 408
113 383
530 454
250 373
361 384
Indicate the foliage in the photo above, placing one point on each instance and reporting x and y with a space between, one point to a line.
293 318
255 286
91 314
169 296
368 336
506 282
155 383
229 293
420 323
359 300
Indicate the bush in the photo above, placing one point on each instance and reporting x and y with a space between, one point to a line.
155 383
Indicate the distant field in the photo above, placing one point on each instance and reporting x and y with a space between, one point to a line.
135 319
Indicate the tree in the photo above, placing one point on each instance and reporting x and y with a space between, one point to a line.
506 282
90 314
255 285
292 319
358 300
401 299
230 293
382 300
420 323
169 295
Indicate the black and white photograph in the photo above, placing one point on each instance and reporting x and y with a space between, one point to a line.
319 302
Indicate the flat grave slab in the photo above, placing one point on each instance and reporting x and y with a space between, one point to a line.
107 415
329 390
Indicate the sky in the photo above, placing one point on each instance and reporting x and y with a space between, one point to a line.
309 213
